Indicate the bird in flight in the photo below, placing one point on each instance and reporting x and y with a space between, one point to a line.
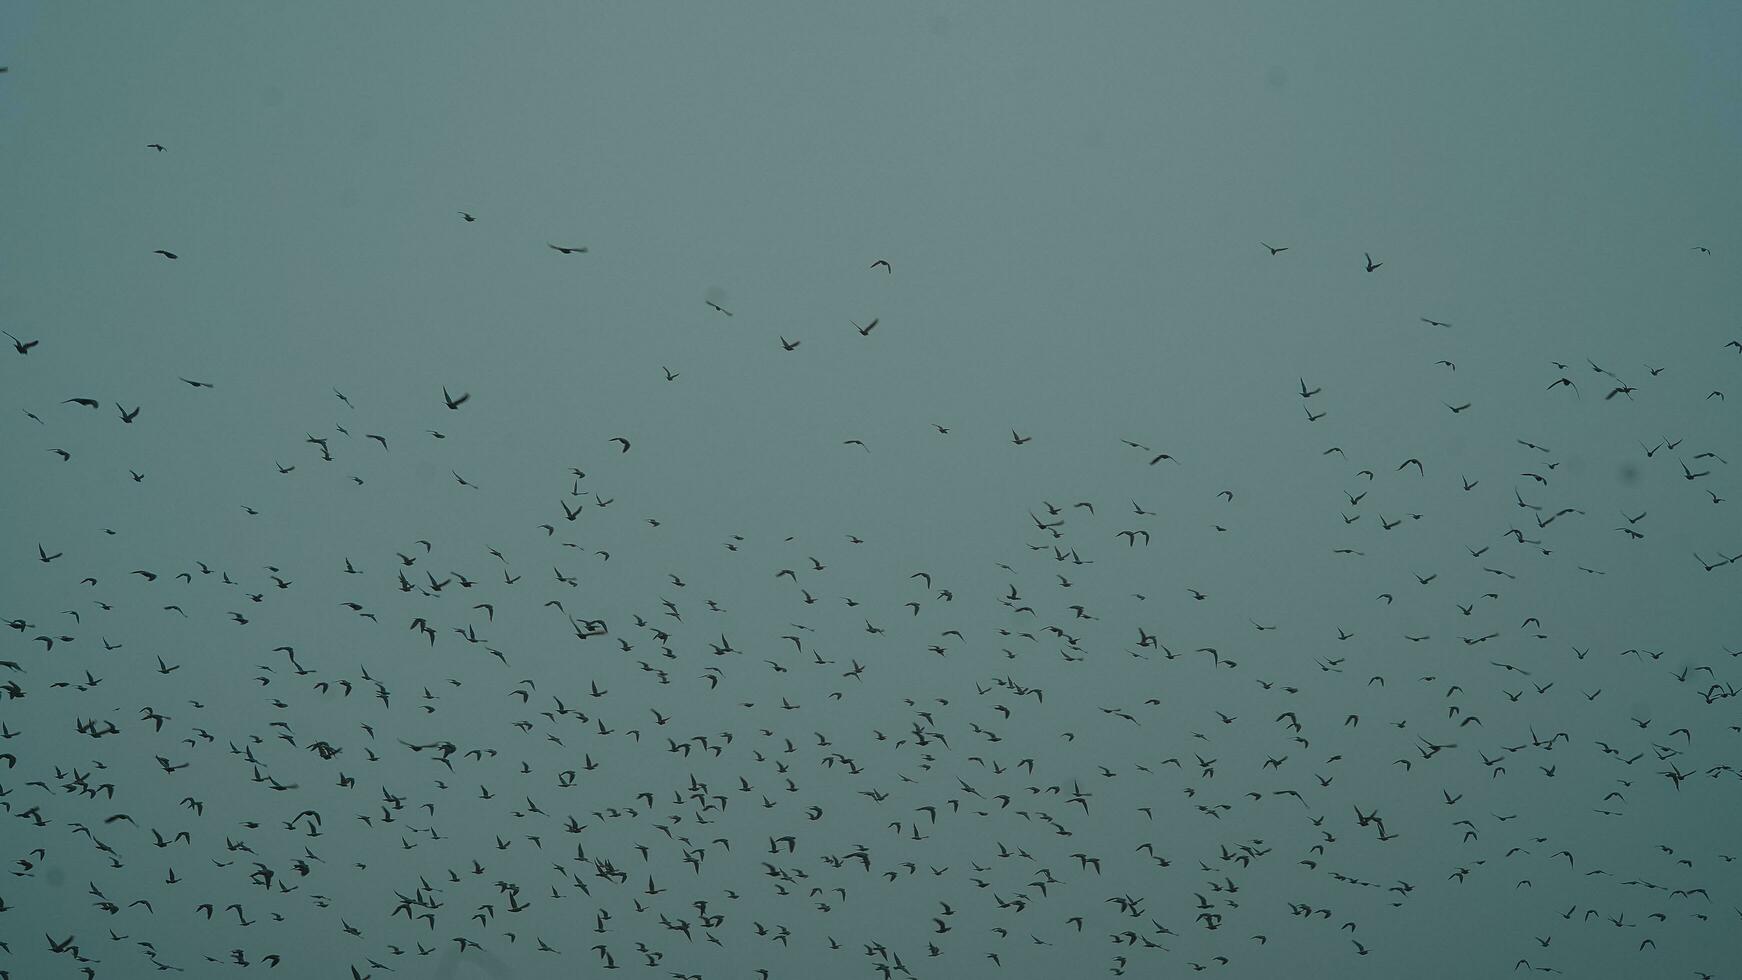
21 346
1274 248
717 307
1434 323
865 331
468 216
452 402
570 250
154 146
884 263
167 255
1371 265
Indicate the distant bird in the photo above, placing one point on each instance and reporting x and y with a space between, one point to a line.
884 263
196 384
619 440
865 331
452 402
167 255
1371 265
21 346
154 146
1274 248
468 216
571 250
717 307
1434 323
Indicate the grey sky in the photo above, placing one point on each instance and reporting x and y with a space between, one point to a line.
1072 202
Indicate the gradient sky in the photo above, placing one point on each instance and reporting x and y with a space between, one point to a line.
1072 203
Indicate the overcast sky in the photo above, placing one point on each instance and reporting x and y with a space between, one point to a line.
1071 202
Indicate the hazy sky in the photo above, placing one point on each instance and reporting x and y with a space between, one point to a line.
1071 201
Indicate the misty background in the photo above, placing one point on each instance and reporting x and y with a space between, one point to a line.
1071 202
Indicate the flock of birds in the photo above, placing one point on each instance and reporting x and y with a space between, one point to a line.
1038 771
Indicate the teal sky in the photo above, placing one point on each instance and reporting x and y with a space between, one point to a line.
1071 201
